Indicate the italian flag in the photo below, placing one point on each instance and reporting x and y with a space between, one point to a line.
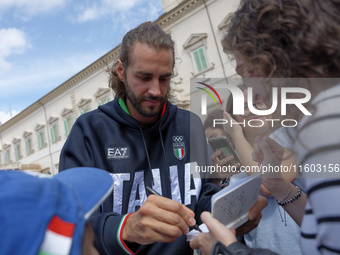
180 152
58 237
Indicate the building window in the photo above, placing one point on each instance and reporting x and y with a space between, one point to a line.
196 47
28 143
40 129
102 96
7 156
200 59
54 133
68 122
54 129
103 101
85 110
84 105
41 140
17 148
17 152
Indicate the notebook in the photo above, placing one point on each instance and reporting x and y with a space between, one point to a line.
231 205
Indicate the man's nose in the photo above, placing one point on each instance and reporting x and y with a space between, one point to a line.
154 89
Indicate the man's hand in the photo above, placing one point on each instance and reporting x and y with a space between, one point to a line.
158 220
254 216
217 231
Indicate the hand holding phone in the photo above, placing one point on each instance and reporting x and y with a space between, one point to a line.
222 143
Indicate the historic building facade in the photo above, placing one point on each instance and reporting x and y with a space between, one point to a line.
33 139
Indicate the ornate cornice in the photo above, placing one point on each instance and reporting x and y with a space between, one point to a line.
83 101
16 140
193 39
39 127
66 112
225 22
52 119
178 12
26 134
101 91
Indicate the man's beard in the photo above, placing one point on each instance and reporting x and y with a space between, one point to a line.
137 102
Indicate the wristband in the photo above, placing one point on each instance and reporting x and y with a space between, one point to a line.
298 194
289 190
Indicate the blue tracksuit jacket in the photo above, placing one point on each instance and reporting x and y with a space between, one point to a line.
162 155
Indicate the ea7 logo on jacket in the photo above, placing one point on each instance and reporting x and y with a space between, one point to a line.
118 153
179 146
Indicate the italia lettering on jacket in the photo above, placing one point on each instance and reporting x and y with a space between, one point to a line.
138 187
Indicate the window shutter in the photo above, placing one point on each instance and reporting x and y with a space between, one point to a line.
16 151
39 141
57 132
6 157
203 58
27 147
200 59
66 127
197 61
52 134
70 123
43 139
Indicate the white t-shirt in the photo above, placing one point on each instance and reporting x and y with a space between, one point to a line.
317 147
272 233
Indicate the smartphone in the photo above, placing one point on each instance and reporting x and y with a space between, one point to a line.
222 143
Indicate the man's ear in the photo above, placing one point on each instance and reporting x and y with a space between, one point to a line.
120 70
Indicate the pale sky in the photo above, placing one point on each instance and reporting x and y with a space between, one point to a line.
45 42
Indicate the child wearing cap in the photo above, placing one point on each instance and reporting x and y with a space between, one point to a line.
48 215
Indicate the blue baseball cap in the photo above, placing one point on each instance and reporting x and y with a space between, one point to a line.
46 215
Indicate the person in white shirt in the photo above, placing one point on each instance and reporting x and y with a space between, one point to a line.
294 39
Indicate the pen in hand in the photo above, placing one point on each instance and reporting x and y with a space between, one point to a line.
152 191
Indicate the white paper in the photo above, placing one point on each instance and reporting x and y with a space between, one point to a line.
193 233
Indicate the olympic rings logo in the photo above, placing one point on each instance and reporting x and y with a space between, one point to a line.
177 139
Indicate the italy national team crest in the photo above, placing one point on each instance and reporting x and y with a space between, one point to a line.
179 147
